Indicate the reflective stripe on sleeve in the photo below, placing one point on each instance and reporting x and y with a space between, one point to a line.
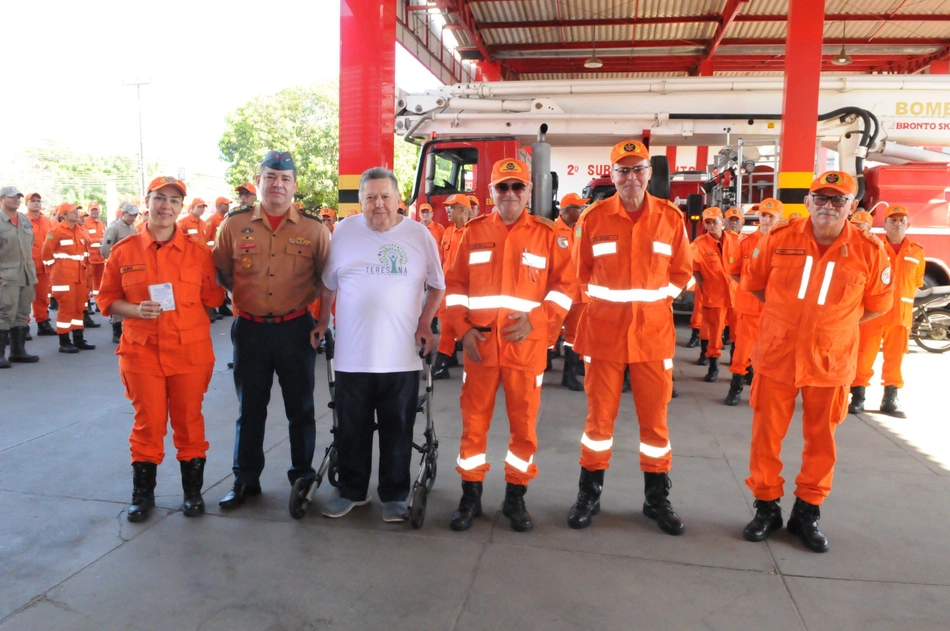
456 300
60 288
667 364
67 242
539 380
691 282
806 273
74 257
607 247
95 245
910 300
673 291
911 259
192 231
518 463
470 463
586 359
627 295
597 445
479 256
464 375
559 299
533 260
662 248
500 302
654 452
826 282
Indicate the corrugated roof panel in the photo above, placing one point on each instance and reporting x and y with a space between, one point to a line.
513 11
683 32
574 76
757 30
592 9
765 7
675 8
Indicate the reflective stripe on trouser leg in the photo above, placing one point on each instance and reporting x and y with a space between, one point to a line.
870 334
895 347
522 400
746 326
602 384
652 386
822 410
714 322
479 390
70 307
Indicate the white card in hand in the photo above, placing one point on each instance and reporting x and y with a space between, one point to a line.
163 295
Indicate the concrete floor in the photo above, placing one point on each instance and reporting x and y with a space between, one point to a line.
70 560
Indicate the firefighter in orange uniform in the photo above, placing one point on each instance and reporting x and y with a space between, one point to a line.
862 219
221 206
713 252
474 204
65 246
41 227
459 212
163 283
571 208
819 277
328 215
95 231
192 224
511 285
908 266
733 220
748 307
633 256
436 229
696 318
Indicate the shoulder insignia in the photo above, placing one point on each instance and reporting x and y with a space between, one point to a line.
780 225
544 221
873 238
476 219
243 208
313 214
592 207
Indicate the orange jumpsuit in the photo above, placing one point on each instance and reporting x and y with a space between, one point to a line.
696 319
66 248
748 308
632 272
41 227
437 231
565 239
194 227
165 363
211 228
908 267
808 342
449 248
95 231
711 259
498 272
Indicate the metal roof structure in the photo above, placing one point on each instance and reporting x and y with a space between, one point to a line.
552 39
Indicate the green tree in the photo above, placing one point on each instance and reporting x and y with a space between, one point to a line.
67 175
405 157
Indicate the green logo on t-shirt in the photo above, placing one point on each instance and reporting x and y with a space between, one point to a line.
394 259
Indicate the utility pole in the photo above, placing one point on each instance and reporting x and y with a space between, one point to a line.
138 83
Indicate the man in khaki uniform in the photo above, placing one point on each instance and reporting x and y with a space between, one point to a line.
17 277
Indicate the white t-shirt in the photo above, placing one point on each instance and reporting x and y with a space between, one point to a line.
380 280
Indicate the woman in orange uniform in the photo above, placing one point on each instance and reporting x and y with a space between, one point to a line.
163 281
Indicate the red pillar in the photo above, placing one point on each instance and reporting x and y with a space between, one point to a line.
488 71
941 66
702 158
671 158
800 104
367 89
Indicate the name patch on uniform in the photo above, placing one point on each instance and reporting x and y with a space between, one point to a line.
299 241
131 268
604 237
790 251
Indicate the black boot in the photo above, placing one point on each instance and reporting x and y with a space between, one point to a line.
713 373
88 322
28 338
702 361
440 370
587 505
569 378
551 355
192 479
735 389
857 400
453 360
626 381
116 332
66 345
18 352
4 342
732 351
143 490
657 505
768 519
889 404
749 375
53 305
803 522
470 506
45 329
514 508
693 339
80 342
223 309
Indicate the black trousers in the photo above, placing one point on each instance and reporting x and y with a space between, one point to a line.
392 398
260 350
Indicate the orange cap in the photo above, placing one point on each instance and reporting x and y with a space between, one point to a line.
895 210
166 180
473 199
628 148
247 186
83 213
458 198
327 212
509 169
351 212
65 207
31 196
770 206
573 200
93 205
402 205
198 202
713 212
838 181
222 200
425 207
733 212
861 216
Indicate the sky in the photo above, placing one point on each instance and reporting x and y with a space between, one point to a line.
66 62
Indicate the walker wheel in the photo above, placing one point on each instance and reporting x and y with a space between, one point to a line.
298 498
333 473
417 514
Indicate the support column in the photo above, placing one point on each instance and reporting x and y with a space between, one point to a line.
488 71
702 158
367 92
941 66
671 157
800 103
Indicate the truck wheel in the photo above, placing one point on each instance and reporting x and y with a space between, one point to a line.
659 185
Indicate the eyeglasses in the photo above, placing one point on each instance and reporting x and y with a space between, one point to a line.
837 201
638 170
517 187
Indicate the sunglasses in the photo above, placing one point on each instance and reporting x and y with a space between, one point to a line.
517 187
837 201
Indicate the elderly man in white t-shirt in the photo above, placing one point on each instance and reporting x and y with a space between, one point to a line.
386 278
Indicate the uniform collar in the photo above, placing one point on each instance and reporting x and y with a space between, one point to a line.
523 219
616 206
177 240
291 213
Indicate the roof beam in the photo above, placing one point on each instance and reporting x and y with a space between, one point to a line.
729 13
692 19
462 12
758 41
914 65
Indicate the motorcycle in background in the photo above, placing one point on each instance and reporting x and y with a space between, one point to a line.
931 326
